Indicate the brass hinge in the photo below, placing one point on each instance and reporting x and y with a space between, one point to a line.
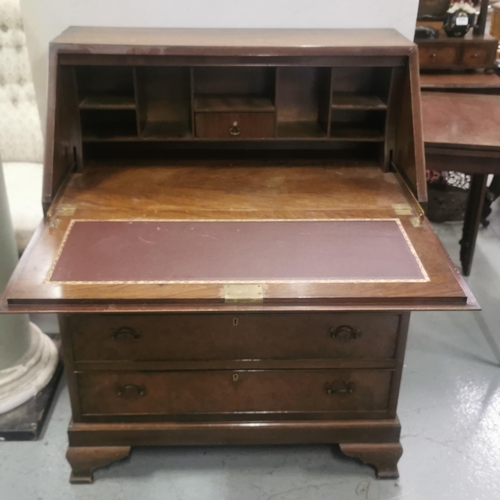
65 210
413 206
243 293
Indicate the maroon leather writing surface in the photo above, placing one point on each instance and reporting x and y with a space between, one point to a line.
236 251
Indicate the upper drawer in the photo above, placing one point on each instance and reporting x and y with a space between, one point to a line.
434 56
162 337
234 125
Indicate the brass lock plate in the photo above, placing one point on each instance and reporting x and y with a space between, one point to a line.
243 293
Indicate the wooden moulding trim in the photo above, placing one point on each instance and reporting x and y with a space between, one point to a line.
17 306
351 363
231 433
72 59
418 130
229 51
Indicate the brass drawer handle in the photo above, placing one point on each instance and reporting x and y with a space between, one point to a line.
340 387
131 391
345 333
125 334
234 129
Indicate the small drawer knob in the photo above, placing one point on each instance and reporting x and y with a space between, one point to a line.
131 391
345 333
433 55
125 334
234 129
340 387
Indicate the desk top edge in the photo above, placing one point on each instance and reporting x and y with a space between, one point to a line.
211 40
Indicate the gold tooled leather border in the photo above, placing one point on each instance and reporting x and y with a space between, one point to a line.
227 282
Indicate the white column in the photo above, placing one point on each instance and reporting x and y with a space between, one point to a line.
28 358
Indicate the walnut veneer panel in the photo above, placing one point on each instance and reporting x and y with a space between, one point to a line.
206 392
237 336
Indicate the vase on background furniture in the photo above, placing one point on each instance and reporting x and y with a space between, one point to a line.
460 17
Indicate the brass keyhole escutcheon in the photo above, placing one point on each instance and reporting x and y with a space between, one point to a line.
235 321
235 377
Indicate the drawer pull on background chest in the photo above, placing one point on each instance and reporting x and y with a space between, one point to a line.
234 129
131 391
340 387
345 333
125 334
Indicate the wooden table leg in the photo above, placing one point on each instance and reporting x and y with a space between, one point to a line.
472 220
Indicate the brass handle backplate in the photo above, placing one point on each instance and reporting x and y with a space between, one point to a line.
131 391
125 334
340 387
234 129
345 333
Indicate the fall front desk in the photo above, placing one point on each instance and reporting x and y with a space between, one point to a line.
233 238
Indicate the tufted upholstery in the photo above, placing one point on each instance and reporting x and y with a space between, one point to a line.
20 131
21 141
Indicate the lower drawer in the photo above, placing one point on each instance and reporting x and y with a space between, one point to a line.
217 392
221 336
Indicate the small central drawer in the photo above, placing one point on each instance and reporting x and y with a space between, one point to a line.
223 336
227 391
235 125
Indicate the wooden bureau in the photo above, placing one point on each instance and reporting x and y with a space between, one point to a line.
233 238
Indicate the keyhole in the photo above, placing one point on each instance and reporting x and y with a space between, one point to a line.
235 377
235 321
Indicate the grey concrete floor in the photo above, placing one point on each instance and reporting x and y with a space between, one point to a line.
449 408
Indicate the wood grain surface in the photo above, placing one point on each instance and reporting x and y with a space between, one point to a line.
239 192
462 120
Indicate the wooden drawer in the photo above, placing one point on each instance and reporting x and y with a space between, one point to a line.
195 337
433 56
227 391
234 125
478 56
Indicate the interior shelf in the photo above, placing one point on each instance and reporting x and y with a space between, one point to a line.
109 101
357 134
339 108
104 125
165 130
357 101
125 133
224 103
300 130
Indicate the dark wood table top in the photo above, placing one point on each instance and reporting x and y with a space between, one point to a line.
461 120
465 81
